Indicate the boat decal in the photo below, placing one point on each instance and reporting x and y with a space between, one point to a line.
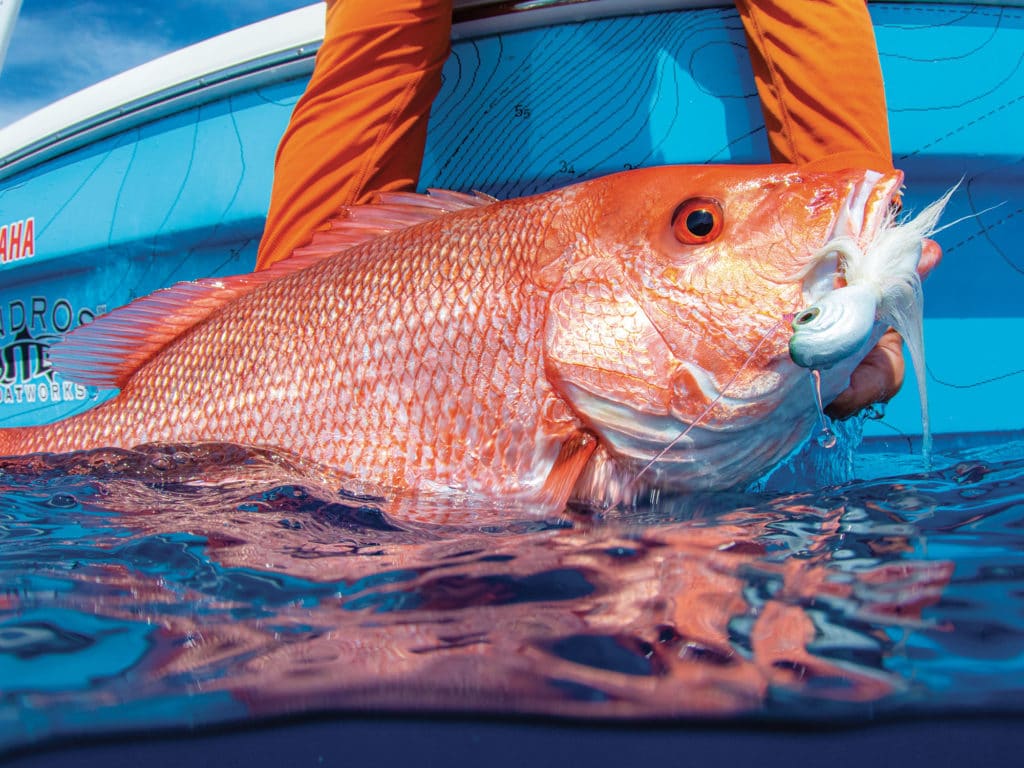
27 330
18 240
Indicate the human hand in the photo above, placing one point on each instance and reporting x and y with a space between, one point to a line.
878 377
880 374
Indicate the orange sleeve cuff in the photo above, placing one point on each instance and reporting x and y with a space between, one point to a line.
820 82
854 158
361 124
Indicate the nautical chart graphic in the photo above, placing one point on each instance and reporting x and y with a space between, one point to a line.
527 109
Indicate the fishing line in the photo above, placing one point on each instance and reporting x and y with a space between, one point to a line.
707 409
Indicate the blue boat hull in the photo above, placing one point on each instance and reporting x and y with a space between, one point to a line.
184 195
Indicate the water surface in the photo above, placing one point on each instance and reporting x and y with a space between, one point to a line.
211 584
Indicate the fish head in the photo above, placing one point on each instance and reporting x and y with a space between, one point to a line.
668 330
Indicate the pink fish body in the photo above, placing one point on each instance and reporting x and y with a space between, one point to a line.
510 350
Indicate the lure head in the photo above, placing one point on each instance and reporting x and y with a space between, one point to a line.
837 327
876 285
666 331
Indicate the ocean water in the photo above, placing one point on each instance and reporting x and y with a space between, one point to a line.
180 587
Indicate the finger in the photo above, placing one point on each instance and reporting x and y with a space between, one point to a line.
931 255
876 380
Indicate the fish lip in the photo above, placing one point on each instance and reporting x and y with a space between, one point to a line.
861 215
866 206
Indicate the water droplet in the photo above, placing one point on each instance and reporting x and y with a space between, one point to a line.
875 412
826 438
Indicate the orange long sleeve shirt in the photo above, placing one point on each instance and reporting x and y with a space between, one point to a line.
361 125
820 82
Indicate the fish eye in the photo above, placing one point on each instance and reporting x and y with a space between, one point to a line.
697 220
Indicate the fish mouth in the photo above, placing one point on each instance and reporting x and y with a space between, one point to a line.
842 303
867 206
864 211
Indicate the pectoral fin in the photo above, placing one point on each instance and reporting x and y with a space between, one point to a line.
569 465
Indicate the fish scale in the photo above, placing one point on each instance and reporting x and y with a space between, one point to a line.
517 351
285 365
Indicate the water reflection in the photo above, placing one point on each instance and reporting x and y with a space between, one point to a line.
218 571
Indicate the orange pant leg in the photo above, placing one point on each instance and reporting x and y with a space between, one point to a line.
820 82
361 124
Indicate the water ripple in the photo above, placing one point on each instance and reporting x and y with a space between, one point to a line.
214 582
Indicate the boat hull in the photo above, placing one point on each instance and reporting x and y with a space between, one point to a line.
177 188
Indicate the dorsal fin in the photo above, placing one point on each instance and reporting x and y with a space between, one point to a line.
389 212
106 352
